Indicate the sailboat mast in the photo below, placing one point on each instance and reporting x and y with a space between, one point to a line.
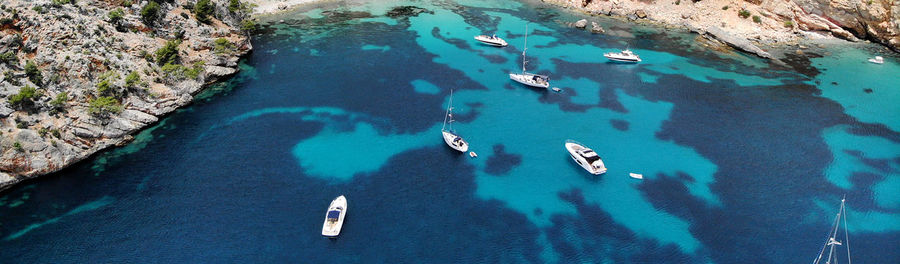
832 237
447 115
846 236
525 49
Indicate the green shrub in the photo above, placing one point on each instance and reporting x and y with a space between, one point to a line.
168 54
249 25
31 70
150 12
234 6
9 58
6 21
127 3
43 131
38 9
725 8
677 2
116 16
222 45
757 19
744 13
10 77
788 23
60 100
104 88
55 133
203 9
24 99
103 106
195 71
18 146
132 79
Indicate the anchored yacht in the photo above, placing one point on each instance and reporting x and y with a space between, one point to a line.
586 157
334 218
624 56
527 78
450 137
492 40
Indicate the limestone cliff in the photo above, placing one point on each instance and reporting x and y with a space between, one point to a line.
82 75
764 21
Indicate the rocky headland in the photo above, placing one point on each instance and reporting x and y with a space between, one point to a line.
80 76
749 24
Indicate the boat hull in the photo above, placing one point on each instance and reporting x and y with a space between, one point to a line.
573 148
616 59
492 42
528 79
451 139
333 228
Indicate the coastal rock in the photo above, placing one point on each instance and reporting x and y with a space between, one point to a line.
736 42
581 23
596 28
76 48
640 13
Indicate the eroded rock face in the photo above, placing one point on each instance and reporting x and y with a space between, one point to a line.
83 55
878 20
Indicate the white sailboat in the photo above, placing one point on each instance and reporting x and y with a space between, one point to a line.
527 78
334 217
832 241
450 137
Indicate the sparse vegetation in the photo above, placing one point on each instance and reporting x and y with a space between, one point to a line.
235 5
9 58
744 13
24 99
788 23
18 146
60 100
725 8
31 70
116 16
103 106
127 3
203 9
249 25
222 45
177 72
150 12
168 54
132 79
756 19
10 77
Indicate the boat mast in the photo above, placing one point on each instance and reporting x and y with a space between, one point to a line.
448 115
832 234
525 49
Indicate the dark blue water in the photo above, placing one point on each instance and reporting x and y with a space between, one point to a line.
743 160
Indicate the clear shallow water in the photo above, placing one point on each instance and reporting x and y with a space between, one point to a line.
742 160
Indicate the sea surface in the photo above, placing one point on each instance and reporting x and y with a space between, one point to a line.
743 160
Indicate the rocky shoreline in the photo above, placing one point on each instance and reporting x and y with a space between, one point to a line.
82 76
751 24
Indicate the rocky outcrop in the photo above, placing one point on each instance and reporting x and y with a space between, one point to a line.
736 42
764 22
580 23
98 74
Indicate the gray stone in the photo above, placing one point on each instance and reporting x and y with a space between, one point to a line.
596 28
736 42
581 23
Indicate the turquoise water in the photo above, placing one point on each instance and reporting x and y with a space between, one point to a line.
741 159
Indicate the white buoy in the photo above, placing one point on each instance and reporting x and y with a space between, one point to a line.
636 176
472 154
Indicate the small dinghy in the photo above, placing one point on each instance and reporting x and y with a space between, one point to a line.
877 60
556 89
472 154
334 218
492 40
636 176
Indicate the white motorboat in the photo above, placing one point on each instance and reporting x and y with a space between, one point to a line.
586 157
877 60
527 78
624 56
636 176
832 240
334 218
450 137
492 40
